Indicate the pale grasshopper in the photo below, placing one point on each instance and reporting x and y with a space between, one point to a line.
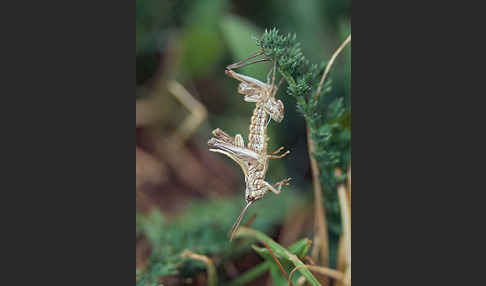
253 159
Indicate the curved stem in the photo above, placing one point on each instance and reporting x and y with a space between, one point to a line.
212 278
331 62
320 236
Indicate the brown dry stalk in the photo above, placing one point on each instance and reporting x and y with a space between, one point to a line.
212 278
331 62
309 260
349 182
154 108
320 236
341 256
197 110
346 236
319 269
346 215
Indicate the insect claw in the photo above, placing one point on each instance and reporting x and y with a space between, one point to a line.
273 156
284 182
278 150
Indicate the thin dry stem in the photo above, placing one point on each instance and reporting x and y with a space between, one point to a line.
346 215
274 71
346 222
349 182
198 111
341 256
150 110
309 260
321 228
322 270
331 62
320 236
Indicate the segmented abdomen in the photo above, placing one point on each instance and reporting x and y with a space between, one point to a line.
256 139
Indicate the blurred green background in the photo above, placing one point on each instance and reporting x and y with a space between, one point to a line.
192 42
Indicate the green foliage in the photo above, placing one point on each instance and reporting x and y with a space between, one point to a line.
289 258
327 115
202 43
252 274
152 17
300 249
196 24
202 229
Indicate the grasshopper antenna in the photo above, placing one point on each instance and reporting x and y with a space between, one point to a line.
244 62
238 220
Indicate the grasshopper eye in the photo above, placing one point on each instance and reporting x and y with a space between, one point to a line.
277 117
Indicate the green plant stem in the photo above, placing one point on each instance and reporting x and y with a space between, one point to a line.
251 274
279 251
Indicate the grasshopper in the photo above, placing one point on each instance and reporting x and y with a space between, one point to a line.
253 159
257 91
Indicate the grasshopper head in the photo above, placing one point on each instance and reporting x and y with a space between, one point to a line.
275 108
253 193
